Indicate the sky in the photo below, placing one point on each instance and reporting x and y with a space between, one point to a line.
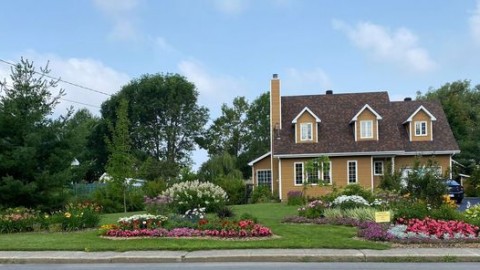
230 48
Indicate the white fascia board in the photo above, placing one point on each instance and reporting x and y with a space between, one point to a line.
363 109
258 159
410 118
306 109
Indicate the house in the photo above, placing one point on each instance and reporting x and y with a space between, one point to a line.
360 133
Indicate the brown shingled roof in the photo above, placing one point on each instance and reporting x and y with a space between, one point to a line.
336 133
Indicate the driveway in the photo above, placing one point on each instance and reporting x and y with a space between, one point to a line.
472 200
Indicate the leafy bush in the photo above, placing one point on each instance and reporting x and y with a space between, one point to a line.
110 197
349 201
261 194
195 194
314 209
225 212
408 209
473 212
295 197
153 188
249 216
445 212
235 189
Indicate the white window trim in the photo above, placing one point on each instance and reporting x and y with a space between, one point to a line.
329 173
264 170
361 129
301 132
426 128
375 173
295 174
319 174
348 172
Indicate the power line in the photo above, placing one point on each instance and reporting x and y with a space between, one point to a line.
61 80
64 99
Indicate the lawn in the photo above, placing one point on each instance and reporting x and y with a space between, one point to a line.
271 214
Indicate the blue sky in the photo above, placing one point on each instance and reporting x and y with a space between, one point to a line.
231 48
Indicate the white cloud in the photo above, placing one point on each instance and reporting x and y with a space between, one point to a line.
121 13
474 21
231 7
314 79
82 71
398 47
213 89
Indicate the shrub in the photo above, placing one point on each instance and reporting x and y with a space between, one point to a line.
249 216
349 201
158 205
153 188
225 212
445 212
409 209
235 189
261 194
195 194
110 197
295 197
314 209
74 217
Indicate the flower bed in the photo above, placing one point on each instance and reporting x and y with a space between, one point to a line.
200 228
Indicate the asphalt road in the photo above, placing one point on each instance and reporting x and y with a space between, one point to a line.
472 200
257 266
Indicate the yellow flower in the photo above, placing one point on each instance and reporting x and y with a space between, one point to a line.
68 215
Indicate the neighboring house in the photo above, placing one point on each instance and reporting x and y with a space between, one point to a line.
360 133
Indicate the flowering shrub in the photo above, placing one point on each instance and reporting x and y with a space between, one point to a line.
144 221
349 201
18 220
157 205
73 217
195 194
314 209
433 229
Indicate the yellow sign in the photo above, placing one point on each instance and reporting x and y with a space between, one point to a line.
382 216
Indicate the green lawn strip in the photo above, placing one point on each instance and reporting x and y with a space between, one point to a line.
287 236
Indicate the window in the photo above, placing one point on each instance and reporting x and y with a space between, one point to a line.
421 128
298 173
352 172
313 174
264 178
366 129
378 168
327 172
306 132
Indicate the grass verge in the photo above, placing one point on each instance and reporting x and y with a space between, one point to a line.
271 214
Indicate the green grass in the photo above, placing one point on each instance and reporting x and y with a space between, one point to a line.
271 214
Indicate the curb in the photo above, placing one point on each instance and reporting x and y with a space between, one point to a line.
247 255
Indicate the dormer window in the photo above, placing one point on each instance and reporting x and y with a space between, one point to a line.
306 131
306 125
366 129
421 128
365 124
419 125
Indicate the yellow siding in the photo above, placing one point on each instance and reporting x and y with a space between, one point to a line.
421 116
306 117
367 115
339 175
408 162
263 164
